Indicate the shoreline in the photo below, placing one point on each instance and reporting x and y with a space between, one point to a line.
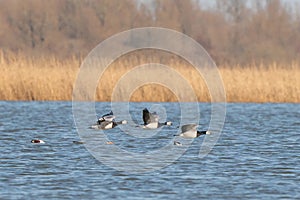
200 102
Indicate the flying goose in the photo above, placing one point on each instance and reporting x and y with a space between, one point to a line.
190 131
107 121
151 120
107 124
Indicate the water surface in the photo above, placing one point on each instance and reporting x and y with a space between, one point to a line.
256 157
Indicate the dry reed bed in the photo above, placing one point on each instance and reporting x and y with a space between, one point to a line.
25 78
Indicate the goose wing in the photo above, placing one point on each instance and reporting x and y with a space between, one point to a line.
108 114
146 116
107 117
189 127
149 117
154 117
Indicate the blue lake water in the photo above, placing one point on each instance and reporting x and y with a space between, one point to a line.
257 155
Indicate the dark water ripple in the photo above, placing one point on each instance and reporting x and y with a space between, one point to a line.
256 157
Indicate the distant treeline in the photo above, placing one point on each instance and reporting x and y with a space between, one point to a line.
232 31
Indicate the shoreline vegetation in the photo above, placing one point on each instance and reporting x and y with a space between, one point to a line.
42 79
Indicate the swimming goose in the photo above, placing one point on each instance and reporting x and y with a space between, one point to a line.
37 141
151 120
176 143
190 131
78 142
107 124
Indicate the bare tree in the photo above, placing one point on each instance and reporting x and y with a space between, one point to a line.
232 32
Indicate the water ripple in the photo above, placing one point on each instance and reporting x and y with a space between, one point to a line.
256 157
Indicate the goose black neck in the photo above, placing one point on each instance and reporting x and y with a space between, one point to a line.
201 133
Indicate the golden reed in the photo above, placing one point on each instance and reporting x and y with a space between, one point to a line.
24 78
